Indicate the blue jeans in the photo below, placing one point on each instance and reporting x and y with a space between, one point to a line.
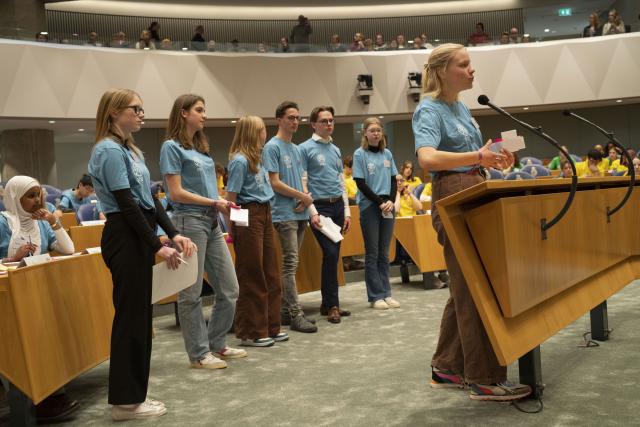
377 232
215 259
291 234
330 254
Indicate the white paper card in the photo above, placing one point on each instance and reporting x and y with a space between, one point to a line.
330 229
387 215
240 217
511 141
95 222
167 282
96 250
35 260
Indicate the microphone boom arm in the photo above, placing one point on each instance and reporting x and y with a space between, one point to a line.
625 153
544 225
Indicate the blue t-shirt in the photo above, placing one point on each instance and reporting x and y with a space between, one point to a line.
446 127
50 207
112 167
197 174
284 158
248 186
47 237
69 201
323 163
376 169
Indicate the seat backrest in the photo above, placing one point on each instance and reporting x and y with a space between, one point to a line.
495 174
87 212
526 161
536 170
51 189
576 158
53 199
518 176
418 190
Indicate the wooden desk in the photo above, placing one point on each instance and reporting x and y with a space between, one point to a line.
353 243
527 289
68 220
55 323
86 236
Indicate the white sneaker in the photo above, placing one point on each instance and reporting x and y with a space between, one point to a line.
380 305
209 361
154 402
231 353
136 412
392 302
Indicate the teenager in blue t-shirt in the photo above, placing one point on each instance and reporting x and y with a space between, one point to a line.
374 171
281 159
129 247
190 177
322 161
73 198
258 310
449 145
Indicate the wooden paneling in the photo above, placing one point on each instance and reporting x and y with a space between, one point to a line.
68 220
417 236
87 236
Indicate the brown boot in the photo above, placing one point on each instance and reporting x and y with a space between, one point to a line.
334 315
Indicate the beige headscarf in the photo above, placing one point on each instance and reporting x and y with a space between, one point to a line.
23 227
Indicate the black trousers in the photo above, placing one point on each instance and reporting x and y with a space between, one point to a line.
130 261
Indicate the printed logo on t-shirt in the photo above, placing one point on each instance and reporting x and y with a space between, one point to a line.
464 132
287 161
137 172
321 160
260 179
198 164
371 168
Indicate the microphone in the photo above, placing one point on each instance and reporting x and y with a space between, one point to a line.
625 153
484 100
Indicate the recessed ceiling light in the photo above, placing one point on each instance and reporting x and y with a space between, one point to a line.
44 33
234 121
184 48
618 100
75 34
546 30
381 117
525 35
525 108
80 130
304 120
436 40
52 121
141 123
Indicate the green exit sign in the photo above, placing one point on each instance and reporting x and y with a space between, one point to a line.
564 11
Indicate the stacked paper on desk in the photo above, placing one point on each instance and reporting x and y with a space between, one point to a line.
330 229
167 282
240 217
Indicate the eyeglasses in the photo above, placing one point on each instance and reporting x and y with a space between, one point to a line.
326 121
137 109
293 118
374 130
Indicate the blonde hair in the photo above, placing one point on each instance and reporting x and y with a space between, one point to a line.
246 141
364 142
177 128
114 100
438 60
596 19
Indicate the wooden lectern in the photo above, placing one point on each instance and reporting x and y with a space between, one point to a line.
527 287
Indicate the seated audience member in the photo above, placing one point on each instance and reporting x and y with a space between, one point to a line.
427 190
401 42
615 24
368 45
515 167
525 38
407 175
417 43
145 41
379 43
166 44
636 167
262 48
284 45
73 198
593 29
556 162
42 37
92 40
514 35
197 41
211 46
566 171
595 165
335 45
26 227
504 38
616 164
479 36
221 178
349 182
393 45
406 203
119 39
358 43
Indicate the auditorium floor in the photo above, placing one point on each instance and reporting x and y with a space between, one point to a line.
373 369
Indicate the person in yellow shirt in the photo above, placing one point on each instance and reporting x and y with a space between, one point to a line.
407 175
406 204
221 174
349 182
595 165
616 167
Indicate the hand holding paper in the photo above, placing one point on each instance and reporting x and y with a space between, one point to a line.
240 217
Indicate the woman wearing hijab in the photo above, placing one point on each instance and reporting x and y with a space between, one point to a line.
27 227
